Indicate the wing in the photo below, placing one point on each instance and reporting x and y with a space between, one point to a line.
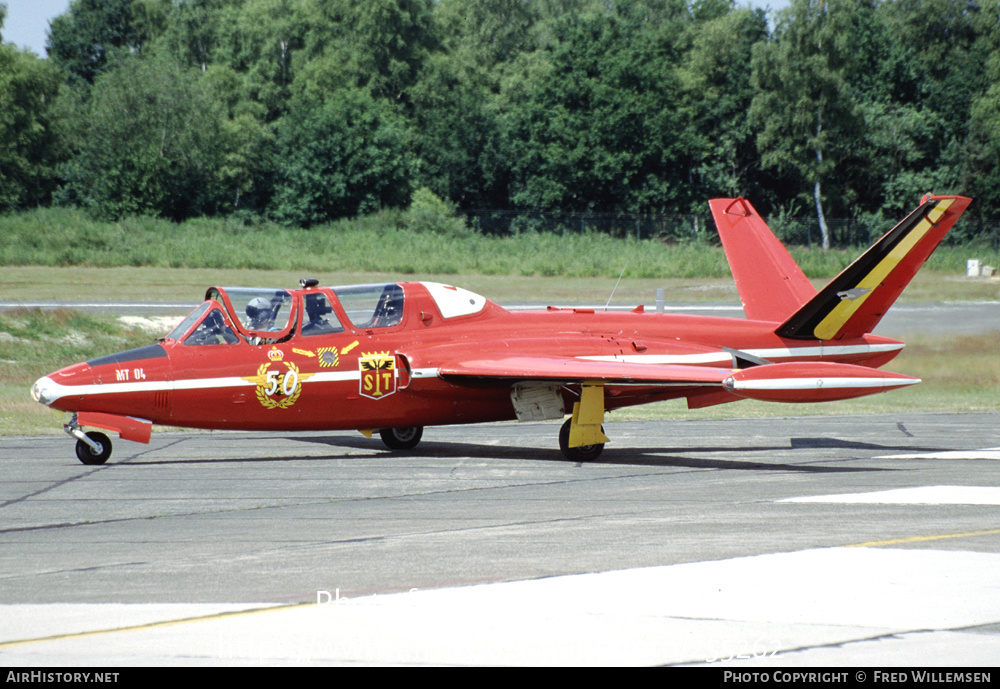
634 383
796 382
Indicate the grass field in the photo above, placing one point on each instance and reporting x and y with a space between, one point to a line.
386 243
35 342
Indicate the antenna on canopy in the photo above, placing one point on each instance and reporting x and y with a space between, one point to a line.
616 285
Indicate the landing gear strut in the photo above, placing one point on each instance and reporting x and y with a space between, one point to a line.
581 437
583 453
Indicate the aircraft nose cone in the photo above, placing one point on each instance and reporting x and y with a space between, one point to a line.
65 384
42 391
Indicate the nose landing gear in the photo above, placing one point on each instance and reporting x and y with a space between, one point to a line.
92 447
87 454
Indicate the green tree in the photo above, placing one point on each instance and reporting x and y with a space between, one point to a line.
459 134
940 43
347 155
191 30
260 41
803 109
29 148
484 34
86 39
149 140
941 52
589 119
455 106
715 77
984 136
379 45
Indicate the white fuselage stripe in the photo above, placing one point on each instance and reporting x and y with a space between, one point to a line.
55 391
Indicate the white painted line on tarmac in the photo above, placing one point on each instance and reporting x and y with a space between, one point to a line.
987 453
919 495
93 305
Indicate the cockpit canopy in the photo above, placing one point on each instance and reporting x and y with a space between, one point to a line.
372 306
259 310
265 315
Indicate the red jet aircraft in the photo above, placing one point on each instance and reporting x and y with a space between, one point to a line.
397 357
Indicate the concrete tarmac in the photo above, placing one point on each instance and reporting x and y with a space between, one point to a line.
839 540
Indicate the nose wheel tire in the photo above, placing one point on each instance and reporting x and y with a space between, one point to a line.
86 454
583 453
403 438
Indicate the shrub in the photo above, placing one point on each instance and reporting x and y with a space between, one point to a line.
429 213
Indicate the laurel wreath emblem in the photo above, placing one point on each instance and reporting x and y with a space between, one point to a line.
269 402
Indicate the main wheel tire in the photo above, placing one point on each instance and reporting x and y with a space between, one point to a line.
584 453
403 438
87 455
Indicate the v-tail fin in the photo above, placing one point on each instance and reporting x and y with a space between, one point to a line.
770 283
853 303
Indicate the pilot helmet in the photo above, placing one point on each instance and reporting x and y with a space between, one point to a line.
258 309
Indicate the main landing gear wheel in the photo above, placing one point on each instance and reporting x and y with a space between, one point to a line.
404 438
86 454
584 453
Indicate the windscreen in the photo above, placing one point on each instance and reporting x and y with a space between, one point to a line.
185 325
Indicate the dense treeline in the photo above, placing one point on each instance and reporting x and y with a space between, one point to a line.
305 111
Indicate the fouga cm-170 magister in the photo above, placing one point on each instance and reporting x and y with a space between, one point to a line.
397 357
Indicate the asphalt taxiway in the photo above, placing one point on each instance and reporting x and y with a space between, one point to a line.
827 540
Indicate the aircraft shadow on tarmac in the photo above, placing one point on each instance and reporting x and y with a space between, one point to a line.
661 457
675 457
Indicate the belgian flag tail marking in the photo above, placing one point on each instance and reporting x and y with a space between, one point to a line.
853 303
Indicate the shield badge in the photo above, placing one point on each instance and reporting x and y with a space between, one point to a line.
378 374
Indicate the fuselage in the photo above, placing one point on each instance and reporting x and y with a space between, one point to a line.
377 356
